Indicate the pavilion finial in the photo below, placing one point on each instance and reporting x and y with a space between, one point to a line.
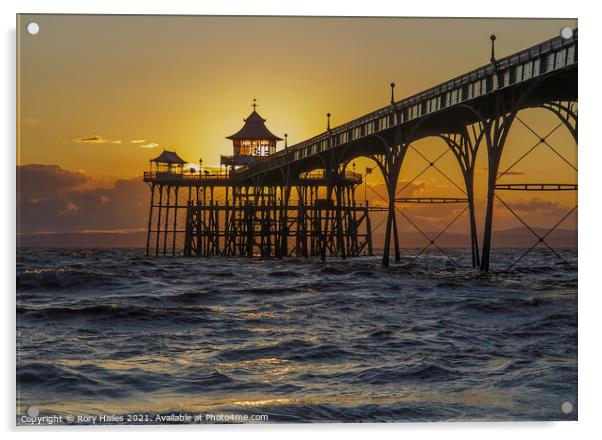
285 140
328 121
392 93
254 103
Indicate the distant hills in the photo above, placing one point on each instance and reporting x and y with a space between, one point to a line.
511 238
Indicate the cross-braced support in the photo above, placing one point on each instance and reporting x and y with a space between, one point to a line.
566 112
540 239
389 164
496 131
465 145
432 241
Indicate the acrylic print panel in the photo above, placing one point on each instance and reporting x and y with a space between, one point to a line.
294 219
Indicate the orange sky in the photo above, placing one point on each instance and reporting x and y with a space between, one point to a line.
103 94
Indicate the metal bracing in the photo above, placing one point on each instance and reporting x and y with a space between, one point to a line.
435 200
431 200
541 140
540 238
495 131
465 145
536 187
567 113
432 241
495 142
389 164
265 221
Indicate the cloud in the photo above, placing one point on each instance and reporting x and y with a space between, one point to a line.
54 199
150 145
534 204
377 194
94 139
138 141
70 207
38 180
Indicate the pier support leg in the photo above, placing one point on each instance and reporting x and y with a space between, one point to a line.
166 226
465 145
392 175
150 218
175 224
390 166
496 133
340 245
158 232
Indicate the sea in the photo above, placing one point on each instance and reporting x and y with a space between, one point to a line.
109 336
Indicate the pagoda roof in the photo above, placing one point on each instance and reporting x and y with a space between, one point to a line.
168 157
254 129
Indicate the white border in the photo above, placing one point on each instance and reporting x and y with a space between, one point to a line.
590 214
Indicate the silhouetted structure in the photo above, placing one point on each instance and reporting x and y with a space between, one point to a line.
260 216
254 217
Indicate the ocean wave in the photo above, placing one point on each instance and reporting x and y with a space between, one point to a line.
115 313
63 279
419 372
331 341
283 274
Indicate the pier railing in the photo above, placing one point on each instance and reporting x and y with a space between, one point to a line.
551 55
186 176
170 176
321 175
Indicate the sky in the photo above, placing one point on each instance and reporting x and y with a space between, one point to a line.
99 96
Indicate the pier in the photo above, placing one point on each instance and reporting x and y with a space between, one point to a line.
301 200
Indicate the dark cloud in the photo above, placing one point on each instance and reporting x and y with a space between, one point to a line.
43 179
53 199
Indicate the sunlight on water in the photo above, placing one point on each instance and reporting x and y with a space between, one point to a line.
112 332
